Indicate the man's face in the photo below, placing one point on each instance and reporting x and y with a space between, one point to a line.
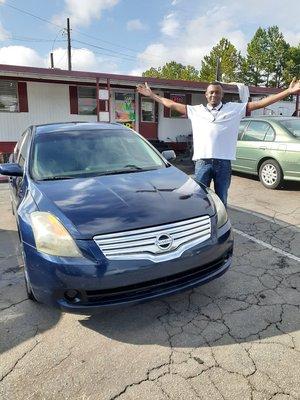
214 95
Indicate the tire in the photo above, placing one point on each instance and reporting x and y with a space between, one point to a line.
28 288
270 174
29 292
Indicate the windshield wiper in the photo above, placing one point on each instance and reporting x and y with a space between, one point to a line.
133 166
57 178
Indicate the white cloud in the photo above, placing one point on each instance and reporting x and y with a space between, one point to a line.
169 25
20 55
293 38
135 25
82 12
82 60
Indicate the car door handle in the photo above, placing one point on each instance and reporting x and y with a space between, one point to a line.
262 147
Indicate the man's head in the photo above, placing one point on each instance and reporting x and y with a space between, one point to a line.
214 93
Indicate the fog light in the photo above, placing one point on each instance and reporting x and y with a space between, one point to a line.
72 295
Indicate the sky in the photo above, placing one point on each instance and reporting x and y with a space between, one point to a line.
130 36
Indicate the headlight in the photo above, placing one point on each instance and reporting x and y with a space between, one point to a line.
51 237
220 208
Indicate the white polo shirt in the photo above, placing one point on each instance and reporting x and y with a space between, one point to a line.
215 132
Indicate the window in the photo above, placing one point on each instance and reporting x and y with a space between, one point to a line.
24 148
242 127
87 103
8 96
256 131
148 110
270 135
179 98
125 108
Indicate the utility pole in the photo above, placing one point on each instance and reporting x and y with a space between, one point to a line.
51 60
69 45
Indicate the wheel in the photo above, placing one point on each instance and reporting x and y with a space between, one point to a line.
270 174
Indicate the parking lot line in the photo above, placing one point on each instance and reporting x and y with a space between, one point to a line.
267 245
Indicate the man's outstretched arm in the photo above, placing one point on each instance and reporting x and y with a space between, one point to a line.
293 89
146 91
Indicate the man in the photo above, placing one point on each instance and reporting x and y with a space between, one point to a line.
215 131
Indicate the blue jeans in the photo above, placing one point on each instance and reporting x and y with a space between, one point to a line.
217 170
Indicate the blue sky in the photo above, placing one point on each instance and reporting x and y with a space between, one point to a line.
130 36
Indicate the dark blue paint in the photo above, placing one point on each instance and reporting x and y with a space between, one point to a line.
112 203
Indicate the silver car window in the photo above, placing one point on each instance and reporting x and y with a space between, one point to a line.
256 131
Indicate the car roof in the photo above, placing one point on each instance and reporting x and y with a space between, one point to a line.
78 125
271 117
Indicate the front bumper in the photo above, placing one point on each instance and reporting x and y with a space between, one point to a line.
88 284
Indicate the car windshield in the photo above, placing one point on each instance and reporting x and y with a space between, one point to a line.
293 125
79 153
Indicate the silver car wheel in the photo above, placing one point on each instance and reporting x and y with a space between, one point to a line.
269 174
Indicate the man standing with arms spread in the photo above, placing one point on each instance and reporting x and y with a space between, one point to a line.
215 131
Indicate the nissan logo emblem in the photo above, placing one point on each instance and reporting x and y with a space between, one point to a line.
164 241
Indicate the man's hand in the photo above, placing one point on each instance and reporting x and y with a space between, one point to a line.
294 87
144 90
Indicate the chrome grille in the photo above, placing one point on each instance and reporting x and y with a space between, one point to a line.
158 243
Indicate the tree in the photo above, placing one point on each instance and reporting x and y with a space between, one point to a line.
292 66
256 60
277 56
173 70
229 60
152 73
267 55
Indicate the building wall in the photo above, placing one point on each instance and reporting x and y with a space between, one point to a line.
47 103
170 129
285 108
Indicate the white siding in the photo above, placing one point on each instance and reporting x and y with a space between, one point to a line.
285 108
47 103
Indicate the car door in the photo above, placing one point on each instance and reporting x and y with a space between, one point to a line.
18 185
235 163
251 147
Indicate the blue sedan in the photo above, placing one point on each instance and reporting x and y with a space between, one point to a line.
105 220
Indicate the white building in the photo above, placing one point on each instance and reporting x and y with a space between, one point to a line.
38 95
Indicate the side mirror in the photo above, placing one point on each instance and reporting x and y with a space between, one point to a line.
11 169
169 155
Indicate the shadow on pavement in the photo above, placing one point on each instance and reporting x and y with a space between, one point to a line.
258 298
20 318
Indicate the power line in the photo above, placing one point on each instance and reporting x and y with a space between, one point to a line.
29 39
129 57
108 55
103 48
28 13
52 23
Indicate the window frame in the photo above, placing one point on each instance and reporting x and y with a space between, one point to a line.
17 110
94 112
242 138
148 100
177 114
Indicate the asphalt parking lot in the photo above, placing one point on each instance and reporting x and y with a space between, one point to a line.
236 338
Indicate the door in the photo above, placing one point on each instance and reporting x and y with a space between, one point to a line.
251 147
148 118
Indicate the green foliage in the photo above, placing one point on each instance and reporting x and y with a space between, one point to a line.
267 57
270 61
174 70
225 61
292 67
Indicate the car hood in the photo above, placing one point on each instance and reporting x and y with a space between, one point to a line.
113 203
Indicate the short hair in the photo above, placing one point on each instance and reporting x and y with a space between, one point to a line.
215 83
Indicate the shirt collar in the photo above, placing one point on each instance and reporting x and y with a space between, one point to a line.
218 107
